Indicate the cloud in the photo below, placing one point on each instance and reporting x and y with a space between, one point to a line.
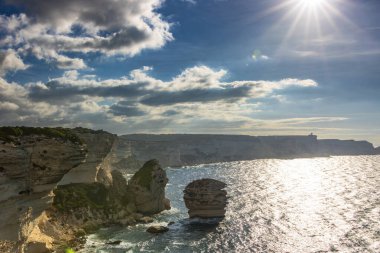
197 96
124 108
258 56
51 29
64 62
198 84
7 106
10 61
190 1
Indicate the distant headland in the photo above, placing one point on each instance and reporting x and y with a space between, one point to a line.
190 149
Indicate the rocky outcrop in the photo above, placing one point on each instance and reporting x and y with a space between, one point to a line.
205 198
157 229
147 189
377 151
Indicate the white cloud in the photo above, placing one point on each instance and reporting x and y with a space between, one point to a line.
10 61
64 62
50 29
197 77
197 96
7 106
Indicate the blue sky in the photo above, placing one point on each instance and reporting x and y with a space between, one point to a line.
214 66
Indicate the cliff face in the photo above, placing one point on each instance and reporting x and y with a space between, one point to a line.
345 147
30 167
181 150
97 168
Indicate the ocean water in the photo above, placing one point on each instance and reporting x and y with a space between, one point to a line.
300 205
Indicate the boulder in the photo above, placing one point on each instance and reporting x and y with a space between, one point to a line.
205 198
147 189
157 229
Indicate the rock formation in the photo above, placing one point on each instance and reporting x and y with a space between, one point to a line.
205 198
57 185
157 229
147 189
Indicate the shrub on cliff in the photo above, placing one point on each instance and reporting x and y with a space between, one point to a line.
73 196
8 134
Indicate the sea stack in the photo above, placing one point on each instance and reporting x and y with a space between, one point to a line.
206 198
148 189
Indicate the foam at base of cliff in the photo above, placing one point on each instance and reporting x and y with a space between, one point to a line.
188 149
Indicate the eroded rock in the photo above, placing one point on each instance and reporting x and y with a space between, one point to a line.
205 198
147 188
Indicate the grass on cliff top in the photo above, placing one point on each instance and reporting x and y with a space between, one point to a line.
8 133
73 196
144 175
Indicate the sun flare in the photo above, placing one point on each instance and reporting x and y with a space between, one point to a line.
312 3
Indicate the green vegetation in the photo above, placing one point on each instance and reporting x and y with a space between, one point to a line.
72 196
144 175
9 133
82 130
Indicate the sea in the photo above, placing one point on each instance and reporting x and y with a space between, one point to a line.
329 204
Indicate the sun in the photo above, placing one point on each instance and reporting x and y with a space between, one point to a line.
312 3
306 21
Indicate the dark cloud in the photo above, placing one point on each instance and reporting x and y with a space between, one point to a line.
169 113
196 95
124 108
57 91
124 38
110 14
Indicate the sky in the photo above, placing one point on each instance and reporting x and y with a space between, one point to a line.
257 67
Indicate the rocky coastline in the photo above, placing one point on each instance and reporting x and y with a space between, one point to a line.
57 186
